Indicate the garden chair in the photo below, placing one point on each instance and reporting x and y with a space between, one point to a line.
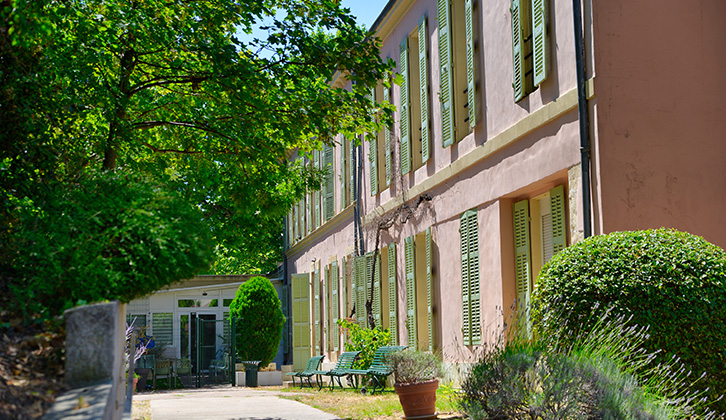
379 369
163 369
312 367
220 365
342 366
183 368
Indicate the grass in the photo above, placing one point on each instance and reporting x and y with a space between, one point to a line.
350 404
141 410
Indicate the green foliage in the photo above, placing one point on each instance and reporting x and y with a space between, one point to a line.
166 90
365 340
670 281
597 375
412 366
113 236
259 320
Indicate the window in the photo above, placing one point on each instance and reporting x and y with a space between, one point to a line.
539 233
457 77
139 321
471 298
362 272
419 290
197 303
413 66
530 51
163 328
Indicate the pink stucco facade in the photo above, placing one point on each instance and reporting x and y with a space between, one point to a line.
655 90
661 118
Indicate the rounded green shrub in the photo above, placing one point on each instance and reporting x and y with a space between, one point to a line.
670 281
259 320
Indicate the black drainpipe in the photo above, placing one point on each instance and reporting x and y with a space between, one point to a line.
584 118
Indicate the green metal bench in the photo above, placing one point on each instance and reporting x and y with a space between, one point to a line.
312 367
379 369
342 367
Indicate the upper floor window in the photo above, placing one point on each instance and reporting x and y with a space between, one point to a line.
414 107
457 76
530 51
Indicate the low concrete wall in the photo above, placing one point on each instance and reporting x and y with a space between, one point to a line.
95 369
273 378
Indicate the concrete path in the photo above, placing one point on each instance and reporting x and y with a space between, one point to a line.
228 403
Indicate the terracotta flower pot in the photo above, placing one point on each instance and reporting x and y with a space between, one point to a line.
418 400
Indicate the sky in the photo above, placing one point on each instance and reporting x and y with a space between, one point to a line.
365 11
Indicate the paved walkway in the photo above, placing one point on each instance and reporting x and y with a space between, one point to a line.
228 403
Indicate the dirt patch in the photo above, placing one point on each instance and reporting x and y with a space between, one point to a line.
31 369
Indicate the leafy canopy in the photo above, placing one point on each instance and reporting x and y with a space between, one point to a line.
165 89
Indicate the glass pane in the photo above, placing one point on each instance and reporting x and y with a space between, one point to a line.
184 325
226 302
198 303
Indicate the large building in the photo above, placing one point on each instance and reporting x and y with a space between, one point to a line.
497 160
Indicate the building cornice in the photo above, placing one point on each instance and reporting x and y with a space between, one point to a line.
322 231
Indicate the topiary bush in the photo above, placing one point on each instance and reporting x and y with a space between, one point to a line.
259 320
670 281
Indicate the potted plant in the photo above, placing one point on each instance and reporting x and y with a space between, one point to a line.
416 376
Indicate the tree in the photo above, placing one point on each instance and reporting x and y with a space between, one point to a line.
164 89
259 320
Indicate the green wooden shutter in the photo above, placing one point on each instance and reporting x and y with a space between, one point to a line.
470 63
376 303
410 290
522 259
387 130
373 159
329 200
335 305
446 80
539 39
429 290
300 320
354 288
521 48
474 281
518 51
316 309
316 194
342 177
373 151
465 280
405 110
295 228
344 288
423 34
392 297
557 211
361 296
471 300
351 167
